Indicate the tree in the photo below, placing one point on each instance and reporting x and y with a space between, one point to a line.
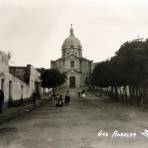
127 69
52 78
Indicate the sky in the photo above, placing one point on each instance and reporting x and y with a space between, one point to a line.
33 31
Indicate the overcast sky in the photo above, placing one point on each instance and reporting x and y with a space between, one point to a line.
34 30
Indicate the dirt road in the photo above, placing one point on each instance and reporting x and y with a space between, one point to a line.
77 126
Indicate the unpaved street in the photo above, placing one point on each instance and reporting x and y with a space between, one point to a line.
76 126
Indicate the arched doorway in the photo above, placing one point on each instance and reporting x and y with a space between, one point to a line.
72 81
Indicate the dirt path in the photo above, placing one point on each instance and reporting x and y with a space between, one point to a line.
76 126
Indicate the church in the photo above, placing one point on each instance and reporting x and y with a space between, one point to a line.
72 63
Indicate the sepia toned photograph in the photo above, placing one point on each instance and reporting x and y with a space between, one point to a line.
73 74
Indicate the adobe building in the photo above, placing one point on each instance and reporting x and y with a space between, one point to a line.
72 63
18 82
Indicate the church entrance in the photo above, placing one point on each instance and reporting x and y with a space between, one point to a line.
72 82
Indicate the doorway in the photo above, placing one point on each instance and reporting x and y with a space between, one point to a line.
36 88
72 81
2 84
21 91
10 91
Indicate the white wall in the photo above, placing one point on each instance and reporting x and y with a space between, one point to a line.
16 91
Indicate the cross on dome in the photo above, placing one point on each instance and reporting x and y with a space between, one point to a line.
71 31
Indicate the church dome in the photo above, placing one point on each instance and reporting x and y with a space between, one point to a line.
71 41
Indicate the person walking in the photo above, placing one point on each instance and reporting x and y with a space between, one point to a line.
60 101
34 98
57 100
79 94
1 101
67 98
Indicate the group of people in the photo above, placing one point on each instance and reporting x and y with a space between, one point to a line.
59 101
1 101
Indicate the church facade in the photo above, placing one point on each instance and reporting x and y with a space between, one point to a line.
72 63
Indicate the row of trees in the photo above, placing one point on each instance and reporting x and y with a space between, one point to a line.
122 76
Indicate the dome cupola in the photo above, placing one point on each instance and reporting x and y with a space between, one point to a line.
71 41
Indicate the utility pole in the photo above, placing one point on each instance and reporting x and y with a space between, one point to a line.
139 39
